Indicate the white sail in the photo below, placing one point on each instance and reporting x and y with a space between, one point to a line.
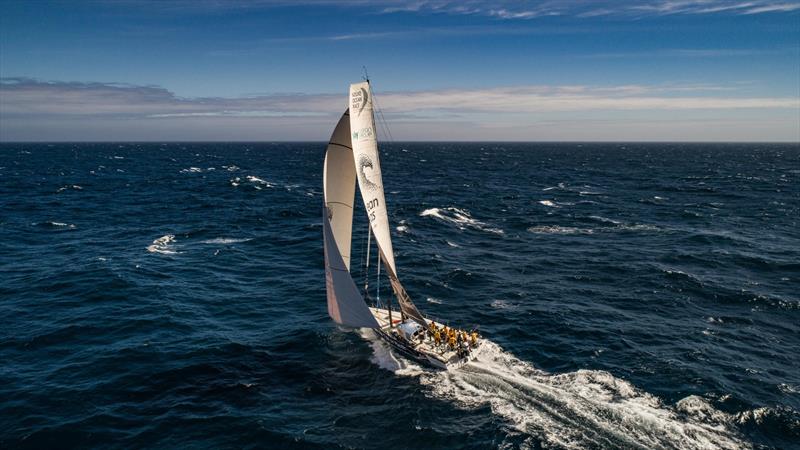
368 167
345 304
370 182
339 185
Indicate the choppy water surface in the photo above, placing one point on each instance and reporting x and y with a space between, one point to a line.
635 296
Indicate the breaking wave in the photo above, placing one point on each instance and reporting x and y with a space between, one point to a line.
607 225
225 240
459 217
60 225
163 245
555 229
586 408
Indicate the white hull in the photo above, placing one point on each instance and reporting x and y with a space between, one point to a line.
425 351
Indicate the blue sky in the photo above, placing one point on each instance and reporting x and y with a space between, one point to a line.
442 70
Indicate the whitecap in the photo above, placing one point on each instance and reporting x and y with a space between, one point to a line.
60 224
256 180
225 240
548 203
163 245
70 186
605 220
192 170
402 229
459 217
555 229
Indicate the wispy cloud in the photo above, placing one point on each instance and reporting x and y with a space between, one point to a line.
693 53
779 7
27 97
511 10
500 9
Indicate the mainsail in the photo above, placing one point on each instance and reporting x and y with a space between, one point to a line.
370 183
345 304
339 184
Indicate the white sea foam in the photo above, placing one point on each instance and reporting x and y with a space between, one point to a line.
60 224
385 359
225 240
163 245
459 217
72 186
433 300
452 244
548 203
587 408
402 229
555 229
611 227
256 180
605 220
638 227
192 170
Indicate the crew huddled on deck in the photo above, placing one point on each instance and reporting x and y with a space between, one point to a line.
445 338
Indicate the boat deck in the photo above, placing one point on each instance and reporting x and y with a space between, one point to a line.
441 356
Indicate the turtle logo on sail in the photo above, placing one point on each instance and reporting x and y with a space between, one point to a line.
363 163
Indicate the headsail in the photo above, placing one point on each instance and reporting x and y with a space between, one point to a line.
368 167
370 182
345 304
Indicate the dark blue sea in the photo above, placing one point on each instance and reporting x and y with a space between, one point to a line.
642 296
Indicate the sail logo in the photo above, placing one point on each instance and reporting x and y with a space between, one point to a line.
359 100
365 171
365 133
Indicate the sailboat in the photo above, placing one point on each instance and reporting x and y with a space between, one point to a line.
352 155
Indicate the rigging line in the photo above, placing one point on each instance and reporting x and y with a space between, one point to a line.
379 278
382 118
366 267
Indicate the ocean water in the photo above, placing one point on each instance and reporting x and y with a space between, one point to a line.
172 295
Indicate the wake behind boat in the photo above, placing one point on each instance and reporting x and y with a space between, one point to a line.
352 154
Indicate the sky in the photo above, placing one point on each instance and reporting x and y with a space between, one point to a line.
274 70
